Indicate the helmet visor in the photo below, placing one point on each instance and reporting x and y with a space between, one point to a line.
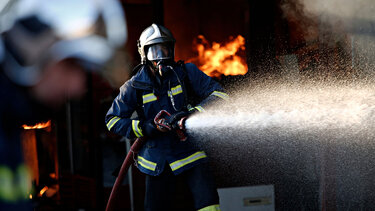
159 51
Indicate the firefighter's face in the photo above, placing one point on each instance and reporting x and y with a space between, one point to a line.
160 51
61 81
160 55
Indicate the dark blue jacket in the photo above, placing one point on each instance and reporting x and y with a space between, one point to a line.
167 149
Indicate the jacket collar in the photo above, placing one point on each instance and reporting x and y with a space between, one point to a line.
144 80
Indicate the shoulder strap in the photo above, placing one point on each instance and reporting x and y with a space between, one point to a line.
136 69
139 109
190 95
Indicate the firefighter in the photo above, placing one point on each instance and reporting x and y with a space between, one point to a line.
42 64
160 83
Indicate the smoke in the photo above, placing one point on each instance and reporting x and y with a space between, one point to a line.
342 26
350 16
341 9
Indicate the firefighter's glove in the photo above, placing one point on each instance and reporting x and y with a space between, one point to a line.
149 128
193 110
175 118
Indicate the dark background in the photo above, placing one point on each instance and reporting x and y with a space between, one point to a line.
271 34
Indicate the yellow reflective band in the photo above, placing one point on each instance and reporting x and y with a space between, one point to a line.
149 98
220 94
199 108
112 122
215 207
146 164
183 162
176 90
136 129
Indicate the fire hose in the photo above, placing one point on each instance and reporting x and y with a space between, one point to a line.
160 122
137 145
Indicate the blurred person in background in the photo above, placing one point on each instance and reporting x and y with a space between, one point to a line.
44 54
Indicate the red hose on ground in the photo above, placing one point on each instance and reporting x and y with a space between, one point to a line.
124 169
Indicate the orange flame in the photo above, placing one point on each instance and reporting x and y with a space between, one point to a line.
37 126
41 192
218 59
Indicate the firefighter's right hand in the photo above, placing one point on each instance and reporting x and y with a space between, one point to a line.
149 128
175 118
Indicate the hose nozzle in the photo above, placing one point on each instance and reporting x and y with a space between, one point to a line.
181 129
181 123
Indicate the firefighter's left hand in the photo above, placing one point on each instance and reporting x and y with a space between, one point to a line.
150 129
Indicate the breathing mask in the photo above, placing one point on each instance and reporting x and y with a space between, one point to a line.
161 57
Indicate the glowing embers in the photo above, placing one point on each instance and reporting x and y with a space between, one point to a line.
41 125
221 59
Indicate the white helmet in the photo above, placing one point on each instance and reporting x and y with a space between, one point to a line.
53 30
152 36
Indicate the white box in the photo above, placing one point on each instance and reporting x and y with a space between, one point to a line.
249 198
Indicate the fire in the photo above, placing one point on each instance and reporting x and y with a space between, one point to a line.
38 126
41 192
217 59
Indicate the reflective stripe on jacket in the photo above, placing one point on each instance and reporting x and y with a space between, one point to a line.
169 96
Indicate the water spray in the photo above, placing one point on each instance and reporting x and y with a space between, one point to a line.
290 109
305 134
